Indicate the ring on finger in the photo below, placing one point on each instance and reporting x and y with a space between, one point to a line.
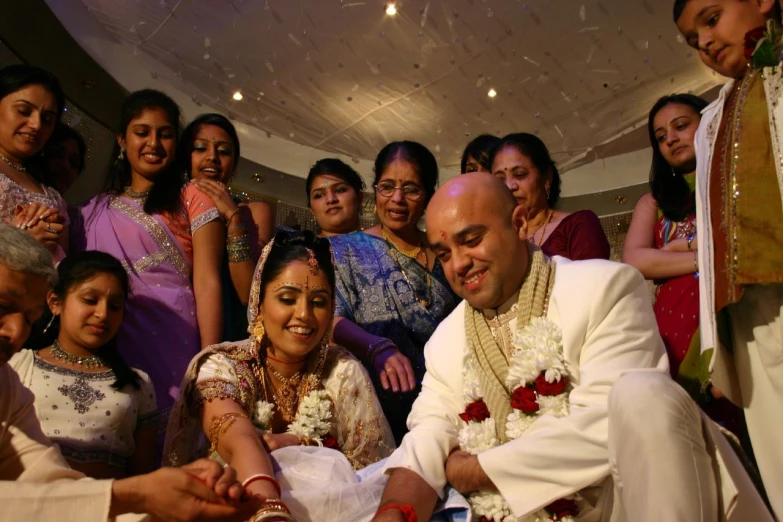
389 370
52 231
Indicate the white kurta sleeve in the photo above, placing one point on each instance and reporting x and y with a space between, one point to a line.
434 419
36 482
608 329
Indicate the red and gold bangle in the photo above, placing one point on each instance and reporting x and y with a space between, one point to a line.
262 476
407 510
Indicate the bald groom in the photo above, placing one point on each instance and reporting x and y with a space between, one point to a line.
547 385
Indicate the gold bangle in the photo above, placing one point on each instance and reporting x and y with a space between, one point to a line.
231 216
696 262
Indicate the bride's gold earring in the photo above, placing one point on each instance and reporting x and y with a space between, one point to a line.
259 331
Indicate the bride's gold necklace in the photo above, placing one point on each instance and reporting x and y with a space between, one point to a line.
285 396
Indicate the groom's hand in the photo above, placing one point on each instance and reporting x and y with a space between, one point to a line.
465 474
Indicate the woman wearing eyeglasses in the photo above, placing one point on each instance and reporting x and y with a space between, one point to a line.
391 291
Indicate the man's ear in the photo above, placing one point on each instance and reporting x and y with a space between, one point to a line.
519 221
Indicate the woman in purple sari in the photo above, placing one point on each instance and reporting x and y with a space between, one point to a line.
168 236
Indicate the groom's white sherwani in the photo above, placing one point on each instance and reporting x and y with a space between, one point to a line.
608 329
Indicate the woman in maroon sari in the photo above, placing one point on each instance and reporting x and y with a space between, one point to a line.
522 161
661 243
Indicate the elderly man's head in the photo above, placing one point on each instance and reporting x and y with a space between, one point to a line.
26 271
479 234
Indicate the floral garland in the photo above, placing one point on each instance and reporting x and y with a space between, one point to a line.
539 378
764 46
312 421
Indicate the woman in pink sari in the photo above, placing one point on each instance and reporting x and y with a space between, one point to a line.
168 236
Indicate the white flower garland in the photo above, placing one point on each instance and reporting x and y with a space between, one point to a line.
537 351
312 421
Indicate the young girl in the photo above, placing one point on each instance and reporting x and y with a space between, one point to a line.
169 237
99 410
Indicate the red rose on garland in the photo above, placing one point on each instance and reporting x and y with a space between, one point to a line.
752 38
329 441
561 508
475 411
524 399
550 389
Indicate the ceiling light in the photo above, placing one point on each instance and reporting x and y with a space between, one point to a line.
238 96
391 9
492 93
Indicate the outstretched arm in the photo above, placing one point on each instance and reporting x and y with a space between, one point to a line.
406 487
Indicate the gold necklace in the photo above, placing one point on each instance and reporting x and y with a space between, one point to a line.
543 232
287 396
413 254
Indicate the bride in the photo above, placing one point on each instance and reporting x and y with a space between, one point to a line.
295 415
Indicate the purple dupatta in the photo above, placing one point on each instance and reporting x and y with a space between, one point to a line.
159 332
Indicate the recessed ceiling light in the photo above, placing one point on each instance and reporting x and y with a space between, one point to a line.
492 93
391 9
237 96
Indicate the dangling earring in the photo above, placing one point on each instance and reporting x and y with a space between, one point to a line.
49 324
259 331
547 187
121 155
674 174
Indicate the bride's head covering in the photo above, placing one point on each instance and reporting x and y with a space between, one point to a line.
184 430
286 247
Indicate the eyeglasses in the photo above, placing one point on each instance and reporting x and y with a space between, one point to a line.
411 192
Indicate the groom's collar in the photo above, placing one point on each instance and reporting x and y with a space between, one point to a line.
492 313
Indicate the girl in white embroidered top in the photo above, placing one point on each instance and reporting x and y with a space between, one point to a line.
99 410
286 395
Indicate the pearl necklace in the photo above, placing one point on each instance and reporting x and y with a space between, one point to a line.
15 166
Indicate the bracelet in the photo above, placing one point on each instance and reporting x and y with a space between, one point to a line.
696 262
690 240
407 511
231 216
262 476
240 227
238 248
273 508
379 346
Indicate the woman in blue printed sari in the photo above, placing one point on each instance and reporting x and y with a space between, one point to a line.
391 291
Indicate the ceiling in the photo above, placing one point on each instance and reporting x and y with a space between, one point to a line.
341 76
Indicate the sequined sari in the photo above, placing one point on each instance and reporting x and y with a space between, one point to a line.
159 332
378 292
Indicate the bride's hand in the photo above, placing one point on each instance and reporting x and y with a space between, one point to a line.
274 441
395 370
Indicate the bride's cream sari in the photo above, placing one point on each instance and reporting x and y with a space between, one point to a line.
318 483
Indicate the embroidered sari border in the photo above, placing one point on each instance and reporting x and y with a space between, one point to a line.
165 242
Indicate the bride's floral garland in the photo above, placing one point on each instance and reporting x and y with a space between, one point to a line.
312 421
539 380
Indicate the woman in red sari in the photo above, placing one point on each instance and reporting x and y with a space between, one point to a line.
523 162
661 243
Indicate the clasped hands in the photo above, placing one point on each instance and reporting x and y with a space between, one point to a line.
44 223
200 491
